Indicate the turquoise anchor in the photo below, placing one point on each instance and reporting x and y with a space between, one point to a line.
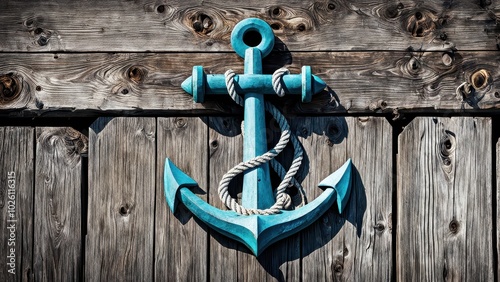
262 225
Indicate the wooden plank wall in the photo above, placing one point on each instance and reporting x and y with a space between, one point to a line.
87 57
412 99
132 235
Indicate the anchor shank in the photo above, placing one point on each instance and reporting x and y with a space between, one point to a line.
257 191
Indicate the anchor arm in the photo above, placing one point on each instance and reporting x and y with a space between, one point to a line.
257 232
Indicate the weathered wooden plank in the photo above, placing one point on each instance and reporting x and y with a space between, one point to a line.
323 139
498 201
58 210
122 165
357 244
181 240
444 225
16 203
193 26
230 259
396 82
225 145
368 239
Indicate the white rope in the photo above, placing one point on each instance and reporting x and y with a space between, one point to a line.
283 200
277 80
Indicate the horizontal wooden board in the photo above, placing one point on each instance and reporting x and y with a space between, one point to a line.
190 25
360 82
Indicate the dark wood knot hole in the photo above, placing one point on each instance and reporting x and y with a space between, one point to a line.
480 79
136 74
124 210
454 226
10 88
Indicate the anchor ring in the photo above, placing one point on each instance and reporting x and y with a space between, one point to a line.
252 33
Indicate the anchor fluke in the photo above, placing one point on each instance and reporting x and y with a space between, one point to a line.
175 178
340 181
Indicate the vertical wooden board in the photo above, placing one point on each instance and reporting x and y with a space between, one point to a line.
180 238
16 203
355 245
444 225
368 233
119 243
498 203
225 144
324 142
229 259
58 210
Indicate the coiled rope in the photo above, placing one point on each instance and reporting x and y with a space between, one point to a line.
283 200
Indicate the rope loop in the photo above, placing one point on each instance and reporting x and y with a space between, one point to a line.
277 80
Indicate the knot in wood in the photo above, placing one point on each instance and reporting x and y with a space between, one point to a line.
202 23
136 74
124 210
338 267
392 11
447 58
43 40
447 144
214 144
180 122
480 79
160 9
419 23
10 88
379 227
447 147
454 226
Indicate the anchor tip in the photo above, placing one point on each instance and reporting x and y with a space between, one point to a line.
340 181
319 84
187 85
175 179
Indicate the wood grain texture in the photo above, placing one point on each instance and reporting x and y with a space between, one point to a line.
181 240
444 225
16 165
58 210
122 165
356 245
225 148
497 233
361 82
229 259
193 26
368 241
323 139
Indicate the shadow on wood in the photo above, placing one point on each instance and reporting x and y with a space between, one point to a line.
323 134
